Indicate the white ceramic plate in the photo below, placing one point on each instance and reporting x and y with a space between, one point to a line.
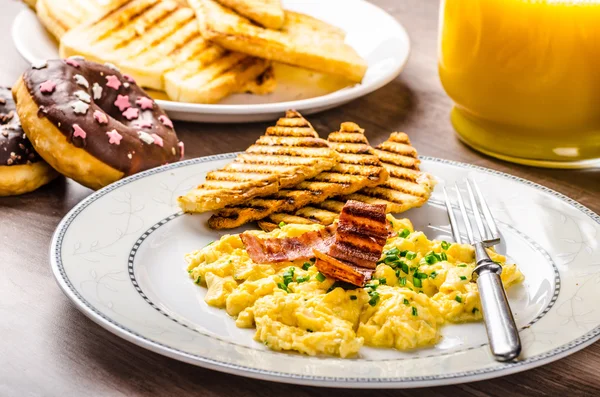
375 35
118 255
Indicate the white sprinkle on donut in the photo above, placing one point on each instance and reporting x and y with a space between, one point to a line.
145 137
97 90
82 81
80 107
83 96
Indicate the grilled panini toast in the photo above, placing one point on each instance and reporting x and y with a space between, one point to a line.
287 154
267 13
407 187
358 167
60 16
302 41
158 43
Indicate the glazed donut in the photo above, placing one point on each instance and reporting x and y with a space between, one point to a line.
21 169
91 123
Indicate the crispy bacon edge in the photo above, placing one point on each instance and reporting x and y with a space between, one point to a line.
341 270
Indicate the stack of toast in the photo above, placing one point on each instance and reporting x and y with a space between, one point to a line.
292 176
198 51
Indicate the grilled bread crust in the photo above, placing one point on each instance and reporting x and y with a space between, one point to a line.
287 154
302 41
267 13
159 44
407 187
358 167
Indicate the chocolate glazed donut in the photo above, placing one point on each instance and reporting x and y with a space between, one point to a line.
92 123
21 168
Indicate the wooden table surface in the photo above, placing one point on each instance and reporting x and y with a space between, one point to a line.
48 348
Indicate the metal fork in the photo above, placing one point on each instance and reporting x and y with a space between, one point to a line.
499 322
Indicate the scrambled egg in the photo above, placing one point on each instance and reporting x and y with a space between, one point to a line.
418 286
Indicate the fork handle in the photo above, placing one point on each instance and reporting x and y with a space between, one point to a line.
499 322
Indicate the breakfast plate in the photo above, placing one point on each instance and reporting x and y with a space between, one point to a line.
373 33
118 256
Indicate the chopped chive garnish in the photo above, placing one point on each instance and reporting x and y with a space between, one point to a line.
189 271
393 251
444 256
281 224
402 281
445 245
475 310
403 253
462 265
404 233
433 274
463 277
421 276
374 298
198 280
391 259
417 282
320 277
382 280
209 244
306 265
288 275
432 258
406 302
411 255
302 279
398 273
458 298
283 287
353 297
404 267
414 311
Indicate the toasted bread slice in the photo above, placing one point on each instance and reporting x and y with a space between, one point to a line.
302 41
60 16
267 13
158 43
287 154
358 167
406 188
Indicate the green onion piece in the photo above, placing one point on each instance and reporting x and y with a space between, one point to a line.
414 311
402 281
353 297
306 265
433 274
445 245
198 280
404 267
302 279
417 282
458 299
475 310
283 287
382 280
391 259
288 275
462 265
403 253
320 277
393 251
406 302
374 298
431 258
463 277
421 276
404 233
411 255
281 224
444 256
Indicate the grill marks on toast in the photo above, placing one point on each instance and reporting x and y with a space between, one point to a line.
358 167
263 169
159 43
407 187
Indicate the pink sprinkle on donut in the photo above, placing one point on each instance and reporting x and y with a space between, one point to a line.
100 117
144 102
78 131
181 149
113 82
47 87
129 79
157 140
72 62
114 138
122 102
131 113
165 120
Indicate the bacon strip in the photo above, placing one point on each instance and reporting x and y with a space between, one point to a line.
341 270
273 250
361 234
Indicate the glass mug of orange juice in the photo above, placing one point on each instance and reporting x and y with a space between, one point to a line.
525 78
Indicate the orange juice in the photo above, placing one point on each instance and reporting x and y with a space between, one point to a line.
525 78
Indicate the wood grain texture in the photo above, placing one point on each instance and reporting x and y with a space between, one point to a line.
48 348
